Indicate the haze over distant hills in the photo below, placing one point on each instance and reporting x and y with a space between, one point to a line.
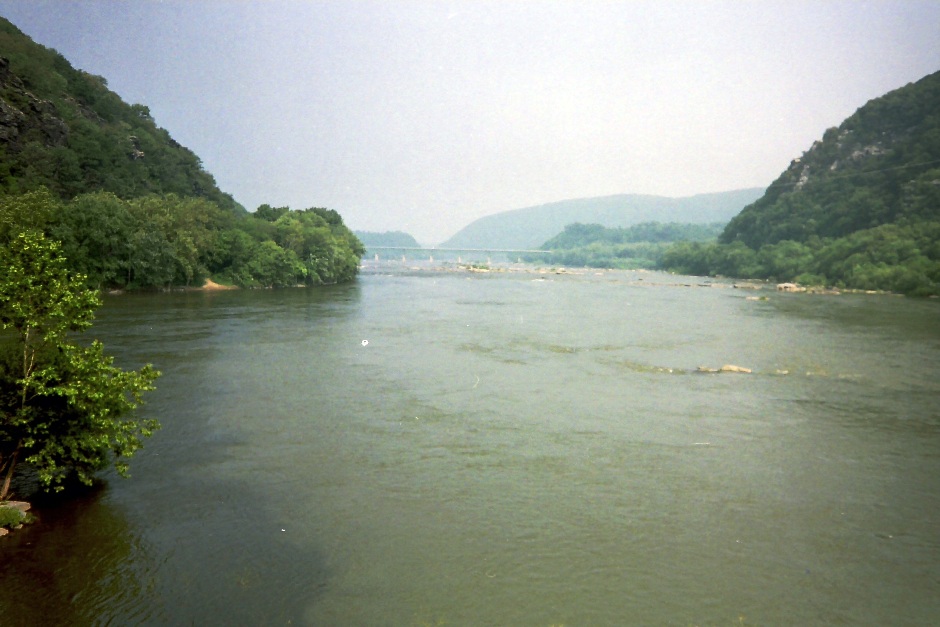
388 238
530 227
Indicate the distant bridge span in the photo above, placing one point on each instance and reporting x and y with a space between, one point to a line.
458 250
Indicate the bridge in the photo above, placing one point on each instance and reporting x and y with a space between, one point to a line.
448 254
458 250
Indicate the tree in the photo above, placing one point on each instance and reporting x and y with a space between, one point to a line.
96 232
62 405
272 266
32 210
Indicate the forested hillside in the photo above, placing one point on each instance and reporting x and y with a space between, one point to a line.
859 209
131 206
63 129
638 246
165 241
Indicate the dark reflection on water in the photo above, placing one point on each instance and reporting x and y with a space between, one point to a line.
177 544
56 572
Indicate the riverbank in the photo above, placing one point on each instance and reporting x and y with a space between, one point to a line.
641 276
212 286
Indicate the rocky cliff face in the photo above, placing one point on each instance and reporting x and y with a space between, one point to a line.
62 129
880 166
24 117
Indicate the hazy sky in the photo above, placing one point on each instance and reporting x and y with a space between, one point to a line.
423 116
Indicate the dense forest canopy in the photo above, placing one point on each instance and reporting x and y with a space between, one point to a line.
164 241
131 206
859 209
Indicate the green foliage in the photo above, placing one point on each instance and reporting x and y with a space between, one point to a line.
62 405
75 136
269 213
161 241
638 246
131 207
30 211
327 250
877 167
10 517
860 209
272 266
891 257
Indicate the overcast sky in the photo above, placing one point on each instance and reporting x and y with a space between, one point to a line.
423 116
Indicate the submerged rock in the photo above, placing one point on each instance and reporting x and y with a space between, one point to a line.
725 368
19 517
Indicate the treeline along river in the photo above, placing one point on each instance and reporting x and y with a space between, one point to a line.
424 448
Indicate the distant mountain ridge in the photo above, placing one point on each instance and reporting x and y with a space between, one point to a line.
530 227
387 238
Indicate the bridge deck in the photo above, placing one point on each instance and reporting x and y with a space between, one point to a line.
458 250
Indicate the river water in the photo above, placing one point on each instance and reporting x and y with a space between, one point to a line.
451 448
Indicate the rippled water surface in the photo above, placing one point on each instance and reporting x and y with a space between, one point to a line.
434 448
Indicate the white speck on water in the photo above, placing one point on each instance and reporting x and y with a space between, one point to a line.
365 342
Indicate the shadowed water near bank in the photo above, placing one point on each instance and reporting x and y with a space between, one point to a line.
509 449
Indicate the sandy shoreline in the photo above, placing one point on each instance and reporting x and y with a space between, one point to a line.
212 286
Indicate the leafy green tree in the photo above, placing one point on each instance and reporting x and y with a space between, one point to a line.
63 406
269 213
151 262
33 210
96 231
688 258
785 260
190 225
273 266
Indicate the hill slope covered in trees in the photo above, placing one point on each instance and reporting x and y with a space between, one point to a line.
63 129
859 209
638 246
131 206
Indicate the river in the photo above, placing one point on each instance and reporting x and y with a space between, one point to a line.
453 448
